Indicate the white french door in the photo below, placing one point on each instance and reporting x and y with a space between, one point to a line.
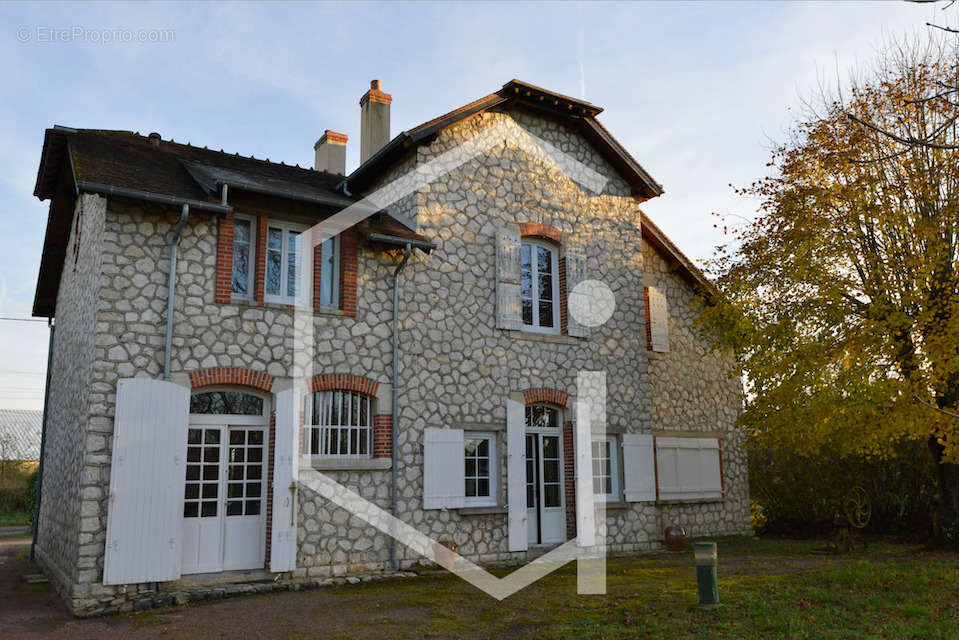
224 503
545 509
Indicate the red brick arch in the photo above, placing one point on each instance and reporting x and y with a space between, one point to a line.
550 396
231 376
542 231
344 382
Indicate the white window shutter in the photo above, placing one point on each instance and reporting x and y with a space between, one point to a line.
689 468
516 475
639 471
575 273
508 309
658 320
585 512
286 452
147 476
444 469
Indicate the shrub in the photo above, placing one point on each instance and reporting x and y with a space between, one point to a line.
799 494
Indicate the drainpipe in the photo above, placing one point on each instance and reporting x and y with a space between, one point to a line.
396 379
171 283
43 443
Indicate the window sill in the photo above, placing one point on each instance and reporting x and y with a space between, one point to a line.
689 501
350 464
481 511
612 505
253 304
532 336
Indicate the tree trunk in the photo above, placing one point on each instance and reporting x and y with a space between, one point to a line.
946 522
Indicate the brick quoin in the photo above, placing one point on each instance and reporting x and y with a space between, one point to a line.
231 376
259 269
317 276
563 297
551 396
349 242
344 382
569 479
649 331
382 435
224 259
269 489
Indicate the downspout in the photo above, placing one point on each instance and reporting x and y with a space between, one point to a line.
171 284
43 444
396 379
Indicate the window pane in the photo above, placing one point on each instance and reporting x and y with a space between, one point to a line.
193 436
234 508
293 269
552 495
482 467
241 257
527 311
192 491
190 510
482 488
193 472
545 314
274 260
226 402
550 471
208 509
544 261
211 454
545 287
252 507
470 488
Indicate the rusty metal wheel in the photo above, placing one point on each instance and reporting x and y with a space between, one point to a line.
857 507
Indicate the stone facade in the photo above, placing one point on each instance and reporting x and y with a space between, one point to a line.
456 368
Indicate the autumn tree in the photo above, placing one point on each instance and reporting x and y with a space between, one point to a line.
841 298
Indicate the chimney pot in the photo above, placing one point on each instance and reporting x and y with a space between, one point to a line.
375 85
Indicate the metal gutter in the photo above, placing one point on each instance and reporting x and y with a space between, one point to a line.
401 242
109 190
171 286
394 473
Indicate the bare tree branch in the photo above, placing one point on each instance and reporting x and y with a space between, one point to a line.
951 414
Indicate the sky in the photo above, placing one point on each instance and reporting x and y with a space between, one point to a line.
696 91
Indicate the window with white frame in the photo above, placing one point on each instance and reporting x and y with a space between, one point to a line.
539 290
330 273
283 260
243 258
341 425
605 469
480 472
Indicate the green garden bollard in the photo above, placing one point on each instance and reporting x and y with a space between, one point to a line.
706 561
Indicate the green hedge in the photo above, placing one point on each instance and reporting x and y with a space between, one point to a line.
801 495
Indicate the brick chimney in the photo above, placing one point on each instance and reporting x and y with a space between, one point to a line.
374 120
331 153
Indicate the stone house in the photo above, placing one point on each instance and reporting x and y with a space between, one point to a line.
186 425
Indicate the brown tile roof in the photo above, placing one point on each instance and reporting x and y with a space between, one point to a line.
130 160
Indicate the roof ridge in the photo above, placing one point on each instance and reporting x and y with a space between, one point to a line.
188 145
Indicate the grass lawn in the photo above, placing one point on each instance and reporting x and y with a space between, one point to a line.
15 518
769 589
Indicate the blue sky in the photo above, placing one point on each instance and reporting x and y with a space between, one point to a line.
695 91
